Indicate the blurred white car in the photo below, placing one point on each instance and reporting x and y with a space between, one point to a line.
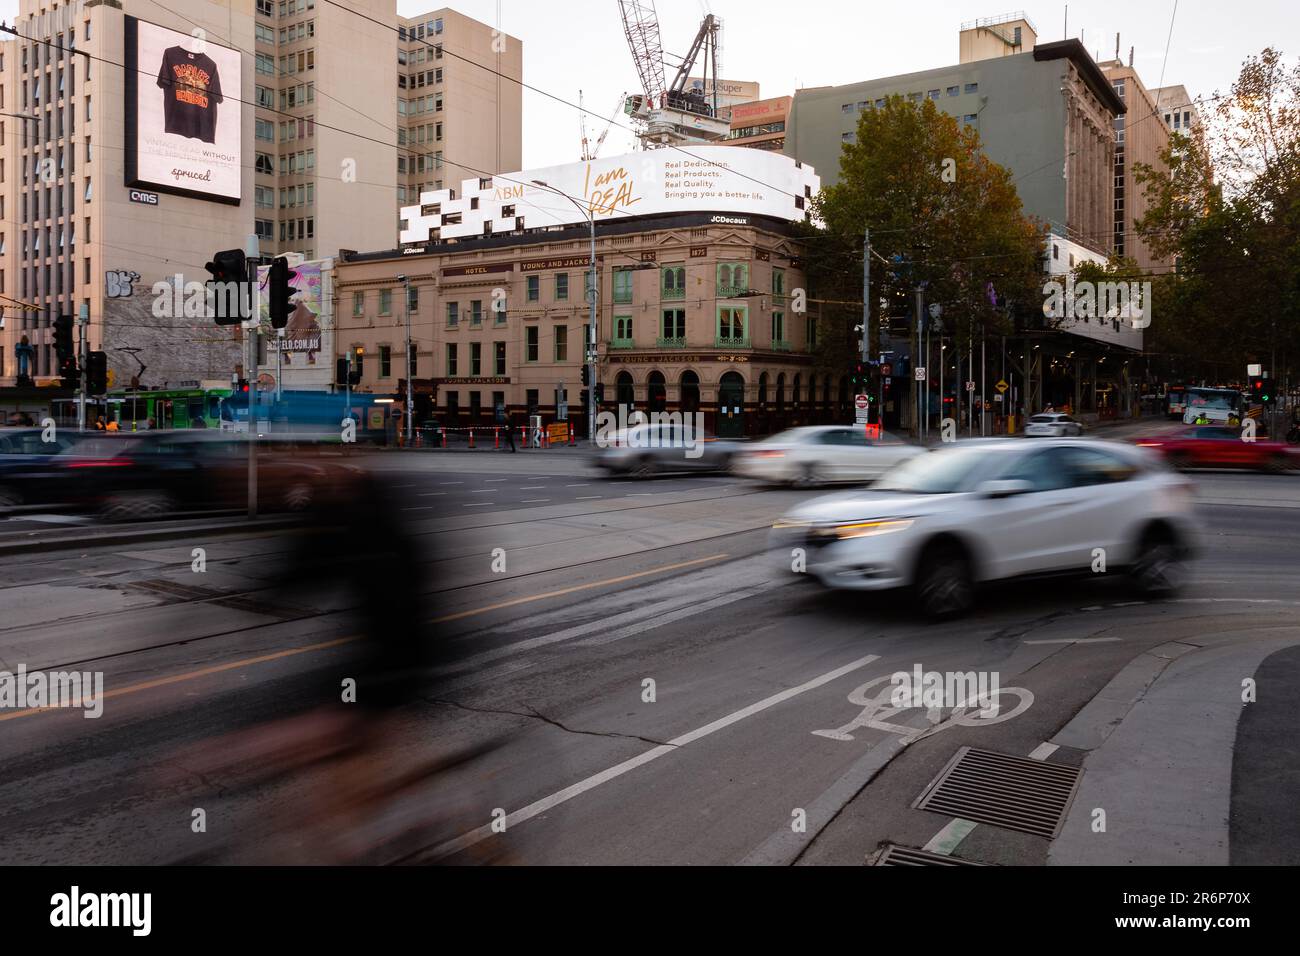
658 448
1053 425
985 510
819 454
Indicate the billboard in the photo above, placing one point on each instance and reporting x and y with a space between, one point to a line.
718 179
183 113
302 336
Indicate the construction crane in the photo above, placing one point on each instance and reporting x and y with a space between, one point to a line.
669 114
589 151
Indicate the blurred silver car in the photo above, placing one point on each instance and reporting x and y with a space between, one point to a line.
659 448
1053 425
819 454
986 510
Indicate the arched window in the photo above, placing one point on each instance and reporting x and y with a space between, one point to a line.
657 392
780 392
812 391
624 388
762 390
826 392
795 391
690 385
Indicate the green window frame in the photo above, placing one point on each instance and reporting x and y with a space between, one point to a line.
733 277
672 282
534 288
561 286
451 360
623 285
622 332
385 301
476 358
732 326
453 314
561 336
532 343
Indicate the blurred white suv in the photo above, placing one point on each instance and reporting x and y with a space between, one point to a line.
1053 425
819 454
985 510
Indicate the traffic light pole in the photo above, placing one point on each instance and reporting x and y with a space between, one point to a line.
250 374
83 319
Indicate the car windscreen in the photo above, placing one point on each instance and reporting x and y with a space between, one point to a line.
943 472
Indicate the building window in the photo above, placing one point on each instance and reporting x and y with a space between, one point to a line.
385 301
933 94
733 277
413 298
453 314
531 343
451 359
810 331
778 328
622 284
622 331
672 282
673 328
972 88
732 327
499 358
358 303
476 358
385 361
561 286
953 90
476 312
561 336
534 288
778 282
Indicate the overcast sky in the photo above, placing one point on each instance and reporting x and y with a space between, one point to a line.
578 44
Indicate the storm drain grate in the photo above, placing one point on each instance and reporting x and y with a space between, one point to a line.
895 855
1015 793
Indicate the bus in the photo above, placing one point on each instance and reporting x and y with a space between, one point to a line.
307 414
1214 406
1175 401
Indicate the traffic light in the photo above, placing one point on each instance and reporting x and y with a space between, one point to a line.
64 348
241 387
279 292
229 287
341 371
1269 396
600 392
586 375
1257 390
584 398
858 378
97 373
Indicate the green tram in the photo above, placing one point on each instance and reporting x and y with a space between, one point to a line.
193 405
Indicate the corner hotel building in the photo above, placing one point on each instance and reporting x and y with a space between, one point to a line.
695 295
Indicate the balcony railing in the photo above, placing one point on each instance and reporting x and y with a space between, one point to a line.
780 346
673 342
677 293
731 342
731 291
617 343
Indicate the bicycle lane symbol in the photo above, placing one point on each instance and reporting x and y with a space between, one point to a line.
878 707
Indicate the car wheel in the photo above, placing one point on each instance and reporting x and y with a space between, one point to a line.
298 497
644 467
1159 569
944 585
1278 465
9 498
809 477
136 506
1180 462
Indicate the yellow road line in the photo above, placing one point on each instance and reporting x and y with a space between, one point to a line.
577 587
191 675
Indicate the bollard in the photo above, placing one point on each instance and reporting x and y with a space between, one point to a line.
496 435
573 440
444 438
471 438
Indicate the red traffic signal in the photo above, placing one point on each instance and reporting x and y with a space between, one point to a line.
228 287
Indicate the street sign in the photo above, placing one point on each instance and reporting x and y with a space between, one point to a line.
919 375
1254 370
998 397
860 401
970 386
886 369
1001 386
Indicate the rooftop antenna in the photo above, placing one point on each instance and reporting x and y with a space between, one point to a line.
1117 44
1066 35
1130 56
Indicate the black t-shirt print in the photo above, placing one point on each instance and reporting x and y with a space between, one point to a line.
191 91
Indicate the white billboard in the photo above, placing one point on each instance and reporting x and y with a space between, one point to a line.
720 179
183 113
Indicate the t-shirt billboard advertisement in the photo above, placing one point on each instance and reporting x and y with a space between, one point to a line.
183 113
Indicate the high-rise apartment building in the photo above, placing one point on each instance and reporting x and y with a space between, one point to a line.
459 104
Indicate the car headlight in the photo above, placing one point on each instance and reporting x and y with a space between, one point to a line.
790 523
865 529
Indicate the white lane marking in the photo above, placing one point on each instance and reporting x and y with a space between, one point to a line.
587 497
639 494
496 479
431 494
528 501
478 504
419 508
54 519
661 619
1076 640
586 485
482 491
530 487
1043 751
451 482
595 780
946 840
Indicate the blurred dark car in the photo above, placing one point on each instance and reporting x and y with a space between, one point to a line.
1221 446
25 467
156 473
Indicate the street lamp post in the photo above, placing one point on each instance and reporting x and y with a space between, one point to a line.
590 345
410 402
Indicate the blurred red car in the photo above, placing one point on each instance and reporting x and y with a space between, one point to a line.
1219 446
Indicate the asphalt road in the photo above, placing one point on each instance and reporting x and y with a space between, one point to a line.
647 686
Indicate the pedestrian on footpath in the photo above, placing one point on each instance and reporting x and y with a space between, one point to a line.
510 434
